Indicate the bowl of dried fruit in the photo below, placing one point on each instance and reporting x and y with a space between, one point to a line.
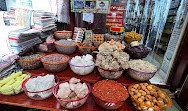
147 97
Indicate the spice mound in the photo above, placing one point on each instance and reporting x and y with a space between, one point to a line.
65 42
55 58
40 83
31 57
72 93
143 66
149 95
110 91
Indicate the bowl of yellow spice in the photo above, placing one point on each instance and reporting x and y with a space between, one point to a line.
132 36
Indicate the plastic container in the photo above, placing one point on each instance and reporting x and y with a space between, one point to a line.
107 104
141 106
86 50
17 89
137 54
82 70
63 34
55 67
65 102
46 93
110 74
140 76
65 49
31 64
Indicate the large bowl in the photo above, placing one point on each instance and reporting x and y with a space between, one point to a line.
86 50
63 34
137 54
110 74
108 104
37 95
55 67
31 64
65 102
143 107
65 49
140 76
81 70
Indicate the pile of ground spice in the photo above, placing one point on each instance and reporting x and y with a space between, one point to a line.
110 91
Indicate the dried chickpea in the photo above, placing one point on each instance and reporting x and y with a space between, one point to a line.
132 89
160 103
143 93
149 87
149 98
143 87
136 91
138 94
148 92
159 99
161 95
140 91
156 95
135 86
152 92
145 84
148 103
140 99
135 96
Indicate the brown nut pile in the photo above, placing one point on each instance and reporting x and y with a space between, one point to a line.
148 95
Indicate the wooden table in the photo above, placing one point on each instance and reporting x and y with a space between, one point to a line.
51 103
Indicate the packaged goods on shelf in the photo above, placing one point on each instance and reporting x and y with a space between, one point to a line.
98 38
78 34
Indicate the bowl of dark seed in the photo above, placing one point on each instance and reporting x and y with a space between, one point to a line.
55 62
65 46
31 61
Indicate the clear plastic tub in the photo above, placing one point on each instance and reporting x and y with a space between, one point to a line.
137 54
39 95
79 102
63 34
143 107
82 70
55 67
31 64
65 49
140 76
110 74
86 50
107 104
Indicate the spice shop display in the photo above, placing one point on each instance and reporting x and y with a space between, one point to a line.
31 61
72 93
148 97
138 51
111 60
55 62
78 34
87 47
88 35
82 65
11 85
63 34
141 70
65 46
109 94
40 87
132 36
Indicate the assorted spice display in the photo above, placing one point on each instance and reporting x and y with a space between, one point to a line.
12 84
109 37
145 96
73 93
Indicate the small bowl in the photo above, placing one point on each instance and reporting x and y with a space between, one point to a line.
137 54
63 34
36 95
65 102
81 70
53 67
65 49
86 50
140 76
110 74
143 107
31 64
107 104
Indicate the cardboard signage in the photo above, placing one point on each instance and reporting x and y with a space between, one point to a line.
116 16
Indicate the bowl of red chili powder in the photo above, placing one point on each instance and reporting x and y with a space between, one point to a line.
109 94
